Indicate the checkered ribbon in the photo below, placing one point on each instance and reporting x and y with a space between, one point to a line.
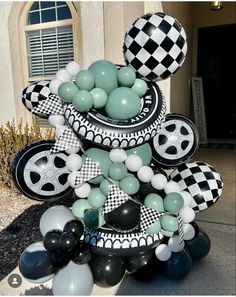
148 217
52 105
115 198
66 141
181 229
88 171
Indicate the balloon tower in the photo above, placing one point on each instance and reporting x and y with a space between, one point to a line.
114 146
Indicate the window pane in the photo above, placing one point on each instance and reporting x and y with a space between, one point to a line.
47 4
61 3
63 13
33 18
48 15
35 6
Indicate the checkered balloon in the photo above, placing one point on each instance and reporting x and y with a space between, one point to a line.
202 181
155 46
35 93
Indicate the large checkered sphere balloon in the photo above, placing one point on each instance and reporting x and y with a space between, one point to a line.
35 93
202 181
155 46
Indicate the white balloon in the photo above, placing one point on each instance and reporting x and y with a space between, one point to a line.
59 130
83 190
133 163
145 174
187 214
54 85
74 162
189 231
73 68
71 179
187 198
56 120
175 245
159 181
63 75
171 187
73 150
163 252
117 155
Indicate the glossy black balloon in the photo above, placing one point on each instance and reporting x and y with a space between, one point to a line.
75 227
134 263
179 265
200 246
196 228
67 241
124 217
81 254
107 271
60 259
50 240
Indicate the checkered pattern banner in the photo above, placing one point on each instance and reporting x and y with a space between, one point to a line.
148 217
115 198
52 105
88 171
66 141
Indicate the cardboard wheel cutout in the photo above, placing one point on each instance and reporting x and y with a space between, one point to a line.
176 142
39 175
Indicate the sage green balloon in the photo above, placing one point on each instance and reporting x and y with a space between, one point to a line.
169 223
140 87
105 75
79 207
123 104
154 228
126 76
167 233
173 202
96 198
130 184
99 98
154 201
144 151
67 91
117 170
83 101
104 185
85 80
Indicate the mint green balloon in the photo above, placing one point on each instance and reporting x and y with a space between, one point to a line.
96 198
67 91
105 74
104 185
117 170
83 101
99 98
167 233
169 223
85 80
140 87
126 76
79 207
154 228
154 201
130 184
123 104
144 151
173 202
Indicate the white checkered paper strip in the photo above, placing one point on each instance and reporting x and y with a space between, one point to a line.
66 141
52 105
88 171
116 197
148 217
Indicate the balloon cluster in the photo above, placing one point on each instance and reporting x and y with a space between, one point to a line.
113 142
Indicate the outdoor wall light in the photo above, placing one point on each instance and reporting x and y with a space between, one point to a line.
216 5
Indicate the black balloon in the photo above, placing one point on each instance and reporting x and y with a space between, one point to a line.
81 254
107 271
134 263
196 228
75 227
50 240
59 259
179 265
200 246
124 217
67 241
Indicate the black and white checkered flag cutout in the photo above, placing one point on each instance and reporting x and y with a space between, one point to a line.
88 171
115 198
181 229
148 217
66 141
52 105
